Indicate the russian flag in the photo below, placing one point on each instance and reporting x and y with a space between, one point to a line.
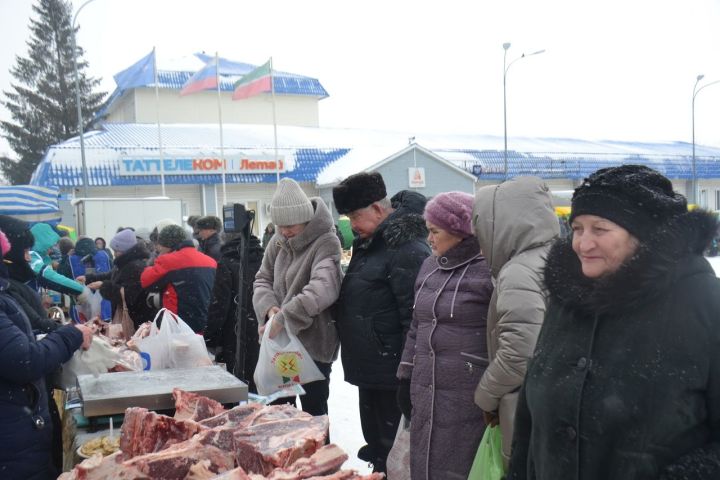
204 79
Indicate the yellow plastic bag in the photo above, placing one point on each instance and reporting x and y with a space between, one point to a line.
488 463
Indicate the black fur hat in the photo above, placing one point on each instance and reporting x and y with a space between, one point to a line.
358 191
209 222
635 197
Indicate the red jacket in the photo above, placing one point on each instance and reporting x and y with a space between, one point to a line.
185 278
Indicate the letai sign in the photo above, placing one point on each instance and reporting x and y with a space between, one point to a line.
200 166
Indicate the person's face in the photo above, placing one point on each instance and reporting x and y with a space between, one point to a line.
205 233
27 255
440 240
365 221
290 231
99 244
161 249
601 245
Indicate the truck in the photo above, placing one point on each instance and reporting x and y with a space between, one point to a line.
101 217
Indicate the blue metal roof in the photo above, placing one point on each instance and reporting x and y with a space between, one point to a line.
309 151
490 164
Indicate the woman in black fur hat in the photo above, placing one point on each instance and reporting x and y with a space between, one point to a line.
625 381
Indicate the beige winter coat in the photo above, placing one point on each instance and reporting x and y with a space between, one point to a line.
515 224
302 277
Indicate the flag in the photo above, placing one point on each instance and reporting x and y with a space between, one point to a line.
204 79
139 74
257 81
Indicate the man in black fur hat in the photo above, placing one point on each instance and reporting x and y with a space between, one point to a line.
209 228
376 299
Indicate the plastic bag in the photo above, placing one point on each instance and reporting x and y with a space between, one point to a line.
282 363
488 464
90 309
98 358
398 460
172 345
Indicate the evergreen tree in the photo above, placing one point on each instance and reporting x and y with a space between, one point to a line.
42 104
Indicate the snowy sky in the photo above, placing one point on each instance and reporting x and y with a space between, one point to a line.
613 69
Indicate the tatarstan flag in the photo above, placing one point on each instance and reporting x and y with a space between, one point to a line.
204 79
257 81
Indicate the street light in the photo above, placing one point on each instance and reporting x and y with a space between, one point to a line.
694 170
77 101
506 67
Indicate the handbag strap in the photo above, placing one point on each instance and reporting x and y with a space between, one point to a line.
122 295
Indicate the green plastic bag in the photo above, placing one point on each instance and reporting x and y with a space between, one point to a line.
488 463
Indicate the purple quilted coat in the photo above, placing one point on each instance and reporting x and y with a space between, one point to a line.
452 293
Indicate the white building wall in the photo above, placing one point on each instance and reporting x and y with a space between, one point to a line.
139 106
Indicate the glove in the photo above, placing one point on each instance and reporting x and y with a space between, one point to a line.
84 296
403 397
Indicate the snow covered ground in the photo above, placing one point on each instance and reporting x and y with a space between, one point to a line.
344 416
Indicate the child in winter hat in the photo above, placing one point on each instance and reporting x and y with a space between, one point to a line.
123 241
290 205
451 211
636 197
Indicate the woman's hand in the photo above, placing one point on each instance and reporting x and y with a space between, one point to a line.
87 334
275 326
95 285
491 419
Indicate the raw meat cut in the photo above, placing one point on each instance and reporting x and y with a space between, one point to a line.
192 406
248 442
174 462
262 447
145 432
327 459
233 418
99 468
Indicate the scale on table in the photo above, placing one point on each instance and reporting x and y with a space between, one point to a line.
111 393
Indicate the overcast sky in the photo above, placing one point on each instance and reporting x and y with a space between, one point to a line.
613 69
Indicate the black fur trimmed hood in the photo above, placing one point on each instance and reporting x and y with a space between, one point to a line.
647 277
406 223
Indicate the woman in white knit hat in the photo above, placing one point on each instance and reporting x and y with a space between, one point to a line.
299 280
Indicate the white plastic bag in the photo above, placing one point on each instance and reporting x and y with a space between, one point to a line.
282 363
90 309
97 359
398 460
173 344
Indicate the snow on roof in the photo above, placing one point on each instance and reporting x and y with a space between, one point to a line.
325 155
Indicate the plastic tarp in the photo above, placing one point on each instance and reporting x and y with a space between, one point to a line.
30 203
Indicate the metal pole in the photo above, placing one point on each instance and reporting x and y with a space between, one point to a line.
696 90
77 101
506 46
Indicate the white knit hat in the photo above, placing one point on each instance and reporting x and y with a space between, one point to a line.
290 205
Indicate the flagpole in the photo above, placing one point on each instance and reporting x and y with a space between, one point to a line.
157 110
222 147
272 90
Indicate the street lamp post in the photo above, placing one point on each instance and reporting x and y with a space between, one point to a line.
506 67
694 167
77 101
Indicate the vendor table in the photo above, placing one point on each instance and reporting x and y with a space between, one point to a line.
111 393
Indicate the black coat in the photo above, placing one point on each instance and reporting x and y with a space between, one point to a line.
376 296
26 449
625 381
126 274
220 329
212 246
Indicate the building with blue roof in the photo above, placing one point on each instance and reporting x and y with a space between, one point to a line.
124 158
